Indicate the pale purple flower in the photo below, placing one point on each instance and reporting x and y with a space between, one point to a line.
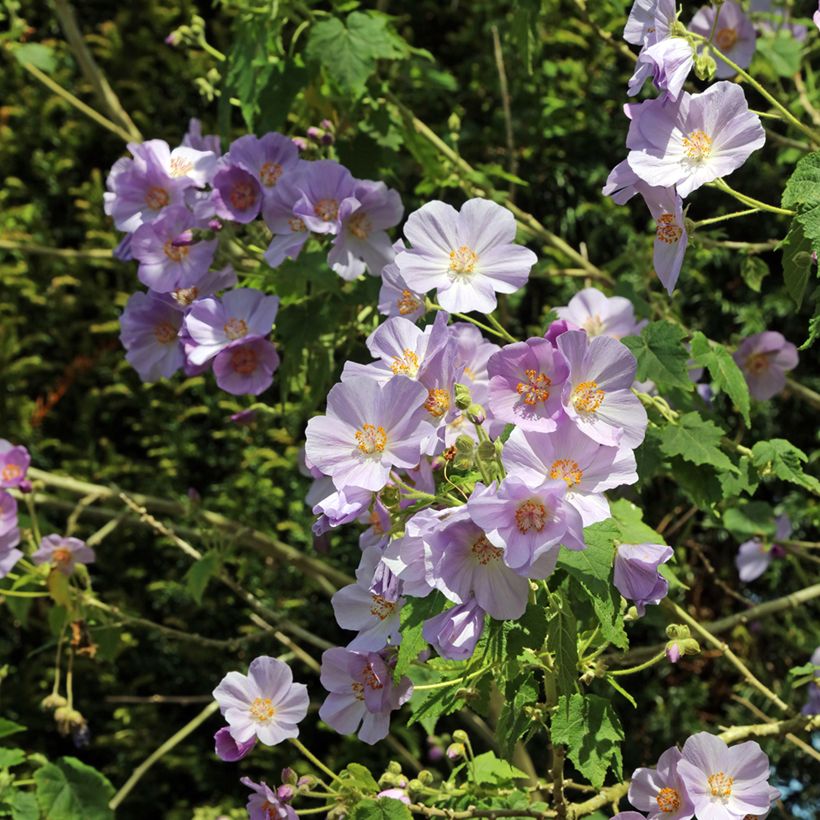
659 792
140 188
369 429
327 196
587 468
734 35
667 63
209 283
407 557
123 249
671 238
396 298
464 564
701 138
149 328
628 815
473 352
725 783
169 256
467 255
14 464
194 138
336 507
558 328
395 794
377 533
265 703
765 358
526 379
636 574
239 194
63 553
621 185
213 324
269 159
266 804
812 705
455 632
816 17
597 395
361 693
362 242
227 749
9 534
601 315
529 523
289 230
754 556
650 21
246 367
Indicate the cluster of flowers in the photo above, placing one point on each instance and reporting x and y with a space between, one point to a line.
680 141
175 204
62 553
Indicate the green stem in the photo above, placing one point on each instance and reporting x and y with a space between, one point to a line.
444 684
465 318
640 667
803 392
750 201
32 511
313 759
715 219
500 328
7 593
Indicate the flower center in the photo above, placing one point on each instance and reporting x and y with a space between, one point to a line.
587 397
531 515
11 472
180 166
235 329
594 325
156 198
720 784
327 209
296 225
359 225
438 402
370 678
269 173
407 303
262 710
406 365
484 551
698 145
358 690
535 389
371 439
668 799
567 470
758 363
243 196
185 296
381 607
244 361
463 260
165 333
725 39
176 253
62 555
668 231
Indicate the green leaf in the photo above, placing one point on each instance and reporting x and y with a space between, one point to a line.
358 777
11 757
385 808
348 51
588 726
802 194
726 375
199 573
72 790
783 52
9 727
491 770
754 270
59 588
36 54
411 622
748 520
696 440
662 355
562 642
797 261
24 806
629 518
745 481
782 459
521 691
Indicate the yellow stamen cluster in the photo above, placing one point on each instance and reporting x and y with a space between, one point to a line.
438 402
176 253
535 389
296 225
567 470
587 397
235 329
726 39
156 198
530 515
262 710
405 365
269 173
698 145
62 555
463 260
720 784
668 230
594 325
381 607
484 551
371 439
180 166
185 296
326 209
11 472
407 303
359 225
668 799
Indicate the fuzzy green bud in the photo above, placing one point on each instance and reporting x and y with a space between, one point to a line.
425 776
486 451
463 396
390 497
705 67
476 414
53 701
460 736
455 751
394 767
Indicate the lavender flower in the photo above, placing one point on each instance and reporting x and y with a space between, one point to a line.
63 553
9 534
636 573
409 556
734 35
754 556
327 196
246 367
725 783
816 17
396 298
667 63
812 705
660 791
455 632
587 468
765 358
194 138
14 464
266 804
671 238
148 330
362 242
213 324
238 192
269 159
289 230
228 750
265 703
467 255
701 138
369 429
597 395
650 21
361 693
526 379
395 794
601 315
208 284
168 255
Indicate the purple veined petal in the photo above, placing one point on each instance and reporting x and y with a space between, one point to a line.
434 228
272 676
483 224
623 410
228 750
752 559
241 729
669 249
233 692
464 296
343 712
391 339
375 727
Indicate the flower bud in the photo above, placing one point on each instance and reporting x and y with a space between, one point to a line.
463 396
68 720
394 767
705 66
425 776
415 785
288 776
460 736
455 751
390 496
285 793
305 781
53 701
476 414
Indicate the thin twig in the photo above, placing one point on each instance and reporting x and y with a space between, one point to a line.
506 107
790 736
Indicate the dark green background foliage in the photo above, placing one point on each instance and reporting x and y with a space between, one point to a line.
68 394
